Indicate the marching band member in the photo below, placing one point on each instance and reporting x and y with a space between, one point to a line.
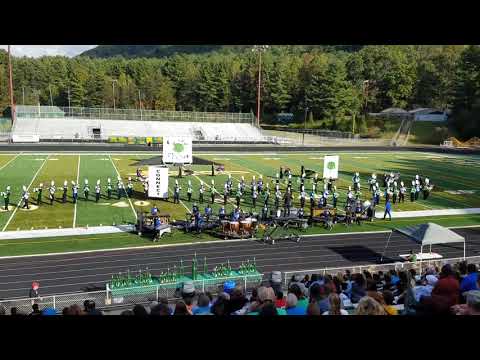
358 212
238 197
266 195
349 195
322 201
86 189
225 195
278 196
395 192
97 191
65 190
417 188
312 202
119 188
25 197
377 194
335 197
412 191
356 182
254 197
39 191
265 212
221 213
403 190
427 188
51 192
176 193
288 202
242 185
303 195
260 184
329 184
201 191
129 187
6 199
301 213
145 188
208 211
212 191
372 181
189 191
74 192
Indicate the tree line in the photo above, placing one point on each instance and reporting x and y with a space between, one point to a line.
331 84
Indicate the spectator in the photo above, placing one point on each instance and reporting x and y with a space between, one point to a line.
89 308
469 282
2 310
36 310
319 294
218 307
302 302
358 288
276 281
139 310
13 311
313 309
281 301
268 309
306 279
388 298
237 302
181 309
473 302
65 311
161 310
292 307
335 306
446 291
75 310
203 305
425 288
189 304
49 312
127 312
369 306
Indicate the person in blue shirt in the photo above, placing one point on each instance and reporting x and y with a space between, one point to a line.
388 209
208 211
154 210
203 306
469 282
292 307
221 213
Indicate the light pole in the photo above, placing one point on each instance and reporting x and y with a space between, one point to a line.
50 90
140 105
259 49
113 93
23 95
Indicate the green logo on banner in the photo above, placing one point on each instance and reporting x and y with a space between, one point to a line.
331 165
177 147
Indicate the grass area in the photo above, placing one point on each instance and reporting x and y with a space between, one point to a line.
455 179
109 241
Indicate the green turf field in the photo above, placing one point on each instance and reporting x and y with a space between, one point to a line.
455 179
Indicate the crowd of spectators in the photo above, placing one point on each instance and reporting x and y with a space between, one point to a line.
449 290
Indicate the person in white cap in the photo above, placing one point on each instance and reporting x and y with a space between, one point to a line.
176 193
403 190
201 191
109 188
97 191
213 190
427 187
129 187
356 182
65 190
25 197
413 191
86 190
120 188
51 192
189 191
74 192
372 181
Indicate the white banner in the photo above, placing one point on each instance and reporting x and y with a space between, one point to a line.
25 138
177 150
330 166
158 182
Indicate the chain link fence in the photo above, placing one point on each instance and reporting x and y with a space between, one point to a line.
106 299
132 114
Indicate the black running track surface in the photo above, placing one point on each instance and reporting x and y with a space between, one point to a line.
90 271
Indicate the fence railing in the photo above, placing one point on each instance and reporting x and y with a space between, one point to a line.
131 114
106 299
417 265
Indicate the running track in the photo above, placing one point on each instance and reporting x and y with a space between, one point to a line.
89 271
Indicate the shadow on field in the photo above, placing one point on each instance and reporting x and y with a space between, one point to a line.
359 253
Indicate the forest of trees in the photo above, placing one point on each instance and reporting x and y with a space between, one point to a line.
329 81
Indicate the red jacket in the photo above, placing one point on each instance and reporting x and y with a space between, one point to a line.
446 292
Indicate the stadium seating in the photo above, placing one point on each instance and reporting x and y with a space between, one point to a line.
83 129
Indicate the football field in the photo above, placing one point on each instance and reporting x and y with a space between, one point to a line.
455 179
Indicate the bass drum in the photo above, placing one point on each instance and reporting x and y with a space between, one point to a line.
234 226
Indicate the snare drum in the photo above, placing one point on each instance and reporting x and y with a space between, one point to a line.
225 226
246 226
234 226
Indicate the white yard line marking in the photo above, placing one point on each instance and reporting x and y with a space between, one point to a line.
20 201
130 201
75 210
9 161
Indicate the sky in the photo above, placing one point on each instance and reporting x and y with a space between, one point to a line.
51 50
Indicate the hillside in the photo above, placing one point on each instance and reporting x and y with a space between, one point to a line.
149 51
